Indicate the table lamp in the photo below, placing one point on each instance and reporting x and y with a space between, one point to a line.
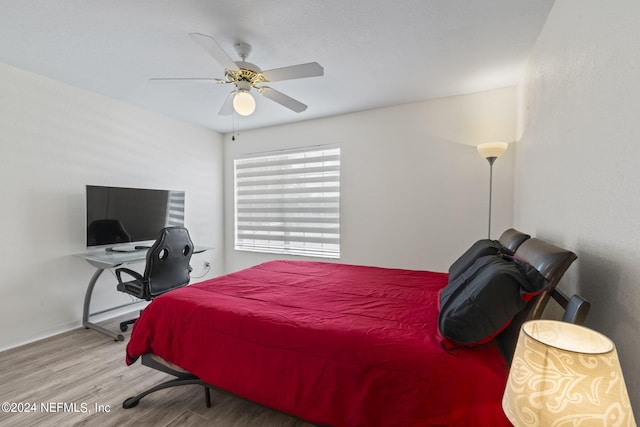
565 375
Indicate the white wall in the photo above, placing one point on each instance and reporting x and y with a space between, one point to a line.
577 173
55 139
413 195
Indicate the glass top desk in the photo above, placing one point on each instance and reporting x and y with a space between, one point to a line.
103 260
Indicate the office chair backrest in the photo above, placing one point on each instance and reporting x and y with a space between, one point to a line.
106 231
168 261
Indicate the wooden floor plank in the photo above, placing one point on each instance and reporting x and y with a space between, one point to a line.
85 372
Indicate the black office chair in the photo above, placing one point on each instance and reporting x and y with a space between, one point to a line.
167 268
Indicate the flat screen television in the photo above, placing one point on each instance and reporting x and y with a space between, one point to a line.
126 216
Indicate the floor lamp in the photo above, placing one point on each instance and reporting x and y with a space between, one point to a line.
491 151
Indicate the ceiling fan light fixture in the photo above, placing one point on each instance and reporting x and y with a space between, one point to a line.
244 103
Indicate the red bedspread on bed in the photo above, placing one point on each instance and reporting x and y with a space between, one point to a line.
334 344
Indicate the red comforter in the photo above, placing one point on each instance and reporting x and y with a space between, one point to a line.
333 344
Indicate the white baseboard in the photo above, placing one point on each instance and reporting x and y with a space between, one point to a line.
69 326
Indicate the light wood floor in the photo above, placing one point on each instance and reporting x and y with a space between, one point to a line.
86 368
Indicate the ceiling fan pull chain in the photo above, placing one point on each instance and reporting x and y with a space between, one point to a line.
233 127
235 130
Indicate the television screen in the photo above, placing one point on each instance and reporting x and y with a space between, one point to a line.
117 215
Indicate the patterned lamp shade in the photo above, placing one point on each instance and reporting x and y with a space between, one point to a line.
565 375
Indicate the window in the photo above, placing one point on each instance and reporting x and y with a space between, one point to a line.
288 202
176 209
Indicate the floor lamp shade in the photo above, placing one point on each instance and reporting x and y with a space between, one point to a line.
492 149
565 375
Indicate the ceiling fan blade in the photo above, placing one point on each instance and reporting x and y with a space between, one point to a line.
187 80
282 99
227 107
300 71
210 45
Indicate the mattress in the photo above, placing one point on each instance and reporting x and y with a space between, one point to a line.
333 344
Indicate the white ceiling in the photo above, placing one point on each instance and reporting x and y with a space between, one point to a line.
375 53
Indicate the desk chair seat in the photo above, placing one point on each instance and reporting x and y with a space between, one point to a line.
167 268
132 287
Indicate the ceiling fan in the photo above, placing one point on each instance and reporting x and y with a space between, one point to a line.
246 76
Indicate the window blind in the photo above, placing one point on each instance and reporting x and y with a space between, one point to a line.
288 202
175 208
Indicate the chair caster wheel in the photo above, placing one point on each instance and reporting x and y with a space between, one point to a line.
124 327
131 402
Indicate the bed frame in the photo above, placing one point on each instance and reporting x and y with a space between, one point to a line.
182 378
551 261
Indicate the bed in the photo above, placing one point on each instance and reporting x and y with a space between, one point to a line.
344 345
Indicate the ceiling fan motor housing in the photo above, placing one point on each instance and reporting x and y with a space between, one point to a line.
243 85
247 72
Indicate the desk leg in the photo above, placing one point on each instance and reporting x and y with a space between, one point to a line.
87 305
